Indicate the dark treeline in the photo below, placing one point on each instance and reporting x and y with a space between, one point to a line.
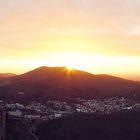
117 126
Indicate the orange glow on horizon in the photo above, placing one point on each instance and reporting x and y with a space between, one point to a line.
96 64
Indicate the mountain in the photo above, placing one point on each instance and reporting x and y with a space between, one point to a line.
5 75
60 83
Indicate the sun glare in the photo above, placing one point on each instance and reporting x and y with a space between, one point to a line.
69 60
69 68
92 63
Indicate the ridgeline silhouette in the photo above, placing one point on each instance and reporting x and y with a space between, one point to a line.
60 83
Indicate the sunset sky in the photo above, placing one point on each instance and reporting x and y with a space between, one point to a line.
98 36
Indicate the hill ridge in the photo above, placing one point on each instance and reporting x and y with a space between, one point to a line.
45 83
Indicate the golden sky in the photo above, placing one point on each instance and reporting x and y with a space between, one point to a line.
98 36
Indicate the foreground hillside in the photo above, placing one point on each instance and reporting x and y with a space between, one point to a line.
115 126
118 126
59 83
17 130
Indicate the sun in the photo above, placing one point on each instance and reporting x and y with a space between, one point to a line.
69 60
69 68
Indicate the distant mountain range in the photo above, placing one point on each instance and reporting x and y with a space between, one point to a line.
5 75
60 83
